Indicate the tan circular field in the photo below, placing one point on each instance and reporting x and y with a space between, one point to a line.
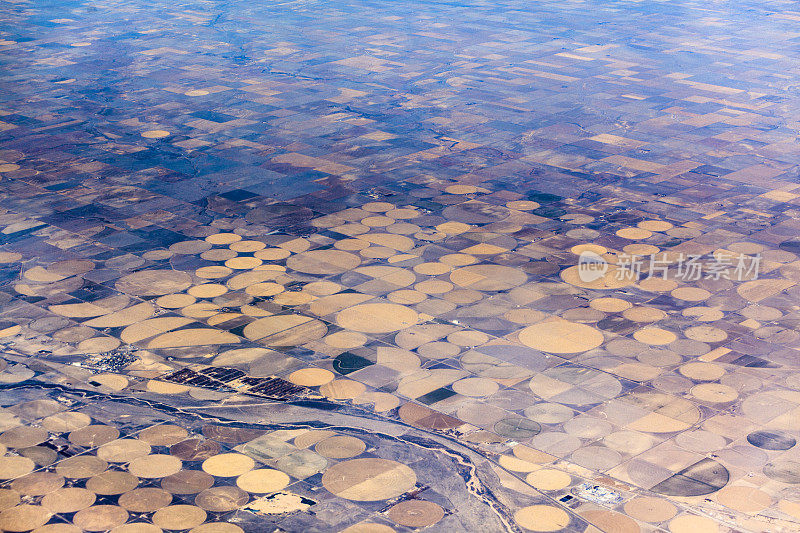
369 479
561 336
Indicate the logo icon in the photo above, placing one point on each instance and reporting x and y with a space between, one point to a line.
591 266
